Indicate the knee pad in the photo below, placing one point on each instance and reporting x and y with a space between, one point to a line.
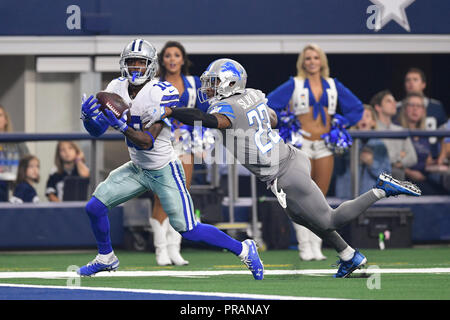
95 208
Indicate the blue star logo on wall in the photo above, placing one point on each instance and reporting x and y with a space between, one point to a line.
392 10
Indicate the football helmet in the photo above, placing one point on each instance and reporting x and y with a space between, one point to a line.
222 78
139 49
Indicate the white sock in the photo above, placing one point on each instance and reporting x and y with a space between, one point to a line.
244 251
347 253
106 258
379 193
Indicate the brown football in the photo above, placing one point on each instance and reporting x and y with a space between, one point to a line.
113 102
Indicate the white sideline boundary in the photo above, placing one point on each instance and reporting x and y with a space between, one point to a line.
202 273
71 275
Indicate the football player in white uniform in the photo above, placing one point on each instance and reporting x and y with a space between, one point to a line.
153 166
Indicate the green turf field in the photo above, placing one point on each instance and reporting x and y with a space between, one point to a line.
419 273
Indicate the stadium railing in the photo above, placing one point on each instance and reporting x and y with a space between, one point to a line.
382 134
232 200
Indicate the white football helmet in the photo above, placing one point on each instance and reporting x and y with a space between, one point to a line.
139 49
222 78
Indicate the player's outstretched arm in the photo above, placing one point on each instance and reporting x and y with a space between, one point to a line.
190 116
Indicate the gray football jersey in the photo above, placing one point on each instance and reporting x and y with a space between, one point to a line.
251 140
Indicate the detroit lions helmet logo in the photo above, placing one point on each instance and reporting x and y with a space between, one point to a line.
223 78
229 66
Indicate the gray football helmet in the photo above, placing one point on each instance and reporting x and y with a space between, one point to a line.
222 78
139 49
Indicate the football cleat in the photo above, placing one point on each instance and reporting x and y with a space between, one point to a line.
252 260
95 266
347 267
394 187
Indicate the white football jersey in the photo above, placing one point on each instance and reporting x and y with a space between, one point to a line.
152 95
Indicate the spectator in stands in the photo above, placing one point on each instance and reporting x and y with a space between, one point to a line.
415 81
444 159
10 154
413 117
401 151
27 177
444 156
174 67
373 159
69 161
315 99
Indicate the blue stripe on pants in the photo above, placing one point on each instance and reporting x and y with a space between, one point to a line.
191 211
186 216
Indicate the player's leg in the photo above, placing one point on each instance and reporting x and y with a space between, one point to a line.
322 170
349 258
304 198
120 186
307 203
177 203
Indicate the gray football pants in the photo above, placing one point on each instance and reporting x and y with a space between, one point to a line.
307 206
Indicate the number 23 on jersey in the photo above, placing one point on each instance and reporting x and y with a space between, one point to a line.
260 117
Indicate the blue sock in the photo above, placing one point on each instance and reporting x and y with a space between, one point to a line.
98 215
213 236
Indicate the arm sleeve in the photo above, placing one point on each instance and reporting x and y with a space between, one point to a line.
51 185
190 115
351 107
279 98
22 193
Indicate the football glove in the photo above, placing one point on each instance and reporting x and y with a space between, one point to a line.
118 124
151 115
88 108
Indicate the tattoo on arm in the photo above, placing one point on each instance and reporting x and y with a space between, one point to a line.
223 121
141 138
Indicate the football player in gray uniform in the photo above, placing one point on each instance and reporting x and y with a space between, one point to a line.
245 121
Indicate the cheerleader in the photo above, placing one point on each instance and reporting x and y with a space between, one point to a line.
314 110
174 67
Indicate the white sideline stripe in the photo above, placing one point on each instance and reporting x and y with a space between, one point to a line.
173 292
171 273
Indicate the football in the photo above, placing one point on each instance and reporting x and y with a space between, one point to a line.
113 102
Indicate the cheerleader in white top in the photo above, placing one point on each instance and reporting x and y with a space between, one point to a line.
308 106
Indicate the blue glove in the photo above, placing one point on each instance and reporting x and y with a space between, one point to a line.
88 108
118 124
